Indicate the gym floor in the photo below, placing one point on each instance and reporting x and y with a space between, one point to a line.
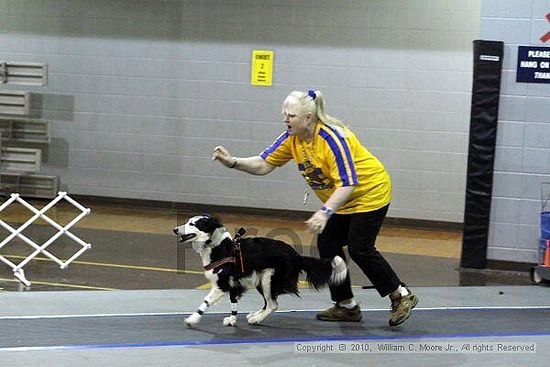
123 301
134 248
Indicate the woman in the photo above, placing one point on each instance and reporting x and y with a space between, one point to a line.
355 190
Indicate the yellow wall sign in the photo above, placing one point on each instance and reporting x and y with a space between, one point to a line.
262 67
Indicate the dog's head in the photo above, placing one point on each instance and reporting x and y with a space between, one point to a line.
199 230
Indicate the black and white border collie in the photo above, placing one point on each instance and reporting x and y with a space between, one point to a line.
270 266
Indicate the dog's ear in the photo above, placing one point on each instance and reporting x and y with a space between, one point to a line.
209 224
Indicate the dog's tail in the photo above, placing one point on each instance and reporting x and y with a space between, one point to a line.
320 272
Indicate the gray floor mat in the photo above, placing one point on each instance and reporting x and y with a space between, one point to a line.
129 331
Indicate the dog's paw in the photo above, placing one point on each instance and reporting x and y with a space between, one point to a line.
258 317
230 320
254 320
252 314
193 319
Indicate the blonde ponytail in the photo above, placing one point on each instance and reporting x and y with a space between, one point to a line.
314 102
331 121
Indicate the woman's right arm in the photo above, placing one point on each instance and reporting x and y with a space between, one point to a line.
254 165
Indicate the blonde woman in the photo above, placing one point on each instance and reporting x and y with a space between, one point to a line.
355 190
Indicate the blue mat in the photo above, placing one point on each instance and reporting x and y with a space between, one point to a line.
170 330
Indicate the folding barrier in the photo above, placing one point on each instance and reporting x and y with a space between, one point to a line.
18 271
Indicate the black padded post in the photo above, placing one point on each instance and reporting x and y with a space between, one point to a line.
481 151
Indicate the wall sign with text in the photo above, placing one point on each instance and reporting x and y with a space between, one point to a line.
262 68
533 64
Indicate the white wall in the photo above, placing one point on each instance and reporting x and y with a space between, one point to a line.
140 92
522 159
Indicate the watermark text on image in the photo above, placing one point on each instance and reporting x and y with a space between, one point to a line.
415 347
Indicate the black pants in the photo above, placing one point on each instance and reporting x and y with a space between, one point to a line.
358 231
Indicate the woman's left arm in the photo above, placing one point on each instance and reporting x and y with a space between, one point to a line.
339 197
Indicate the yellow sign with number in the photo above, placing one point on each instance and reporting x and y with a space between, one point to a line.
262 68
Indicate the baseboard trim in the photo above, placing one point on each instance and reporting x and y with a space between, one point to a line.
509 265
190 208
193 208
424 224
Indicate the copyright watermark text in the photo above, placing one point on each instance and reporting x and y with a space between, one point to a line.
414 347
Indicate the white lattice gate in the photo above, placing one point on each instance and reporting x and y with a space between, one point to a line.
18 271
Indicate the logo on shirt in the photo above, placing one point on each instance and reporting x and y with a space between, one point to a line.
314 176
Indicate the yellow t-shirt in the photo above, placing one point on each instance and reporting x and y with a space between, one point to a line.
330 161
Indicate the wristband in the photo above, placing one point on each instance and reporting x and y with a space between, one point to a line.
327 210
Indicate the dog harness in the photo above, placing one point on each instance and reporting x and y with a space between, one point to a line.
235 252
